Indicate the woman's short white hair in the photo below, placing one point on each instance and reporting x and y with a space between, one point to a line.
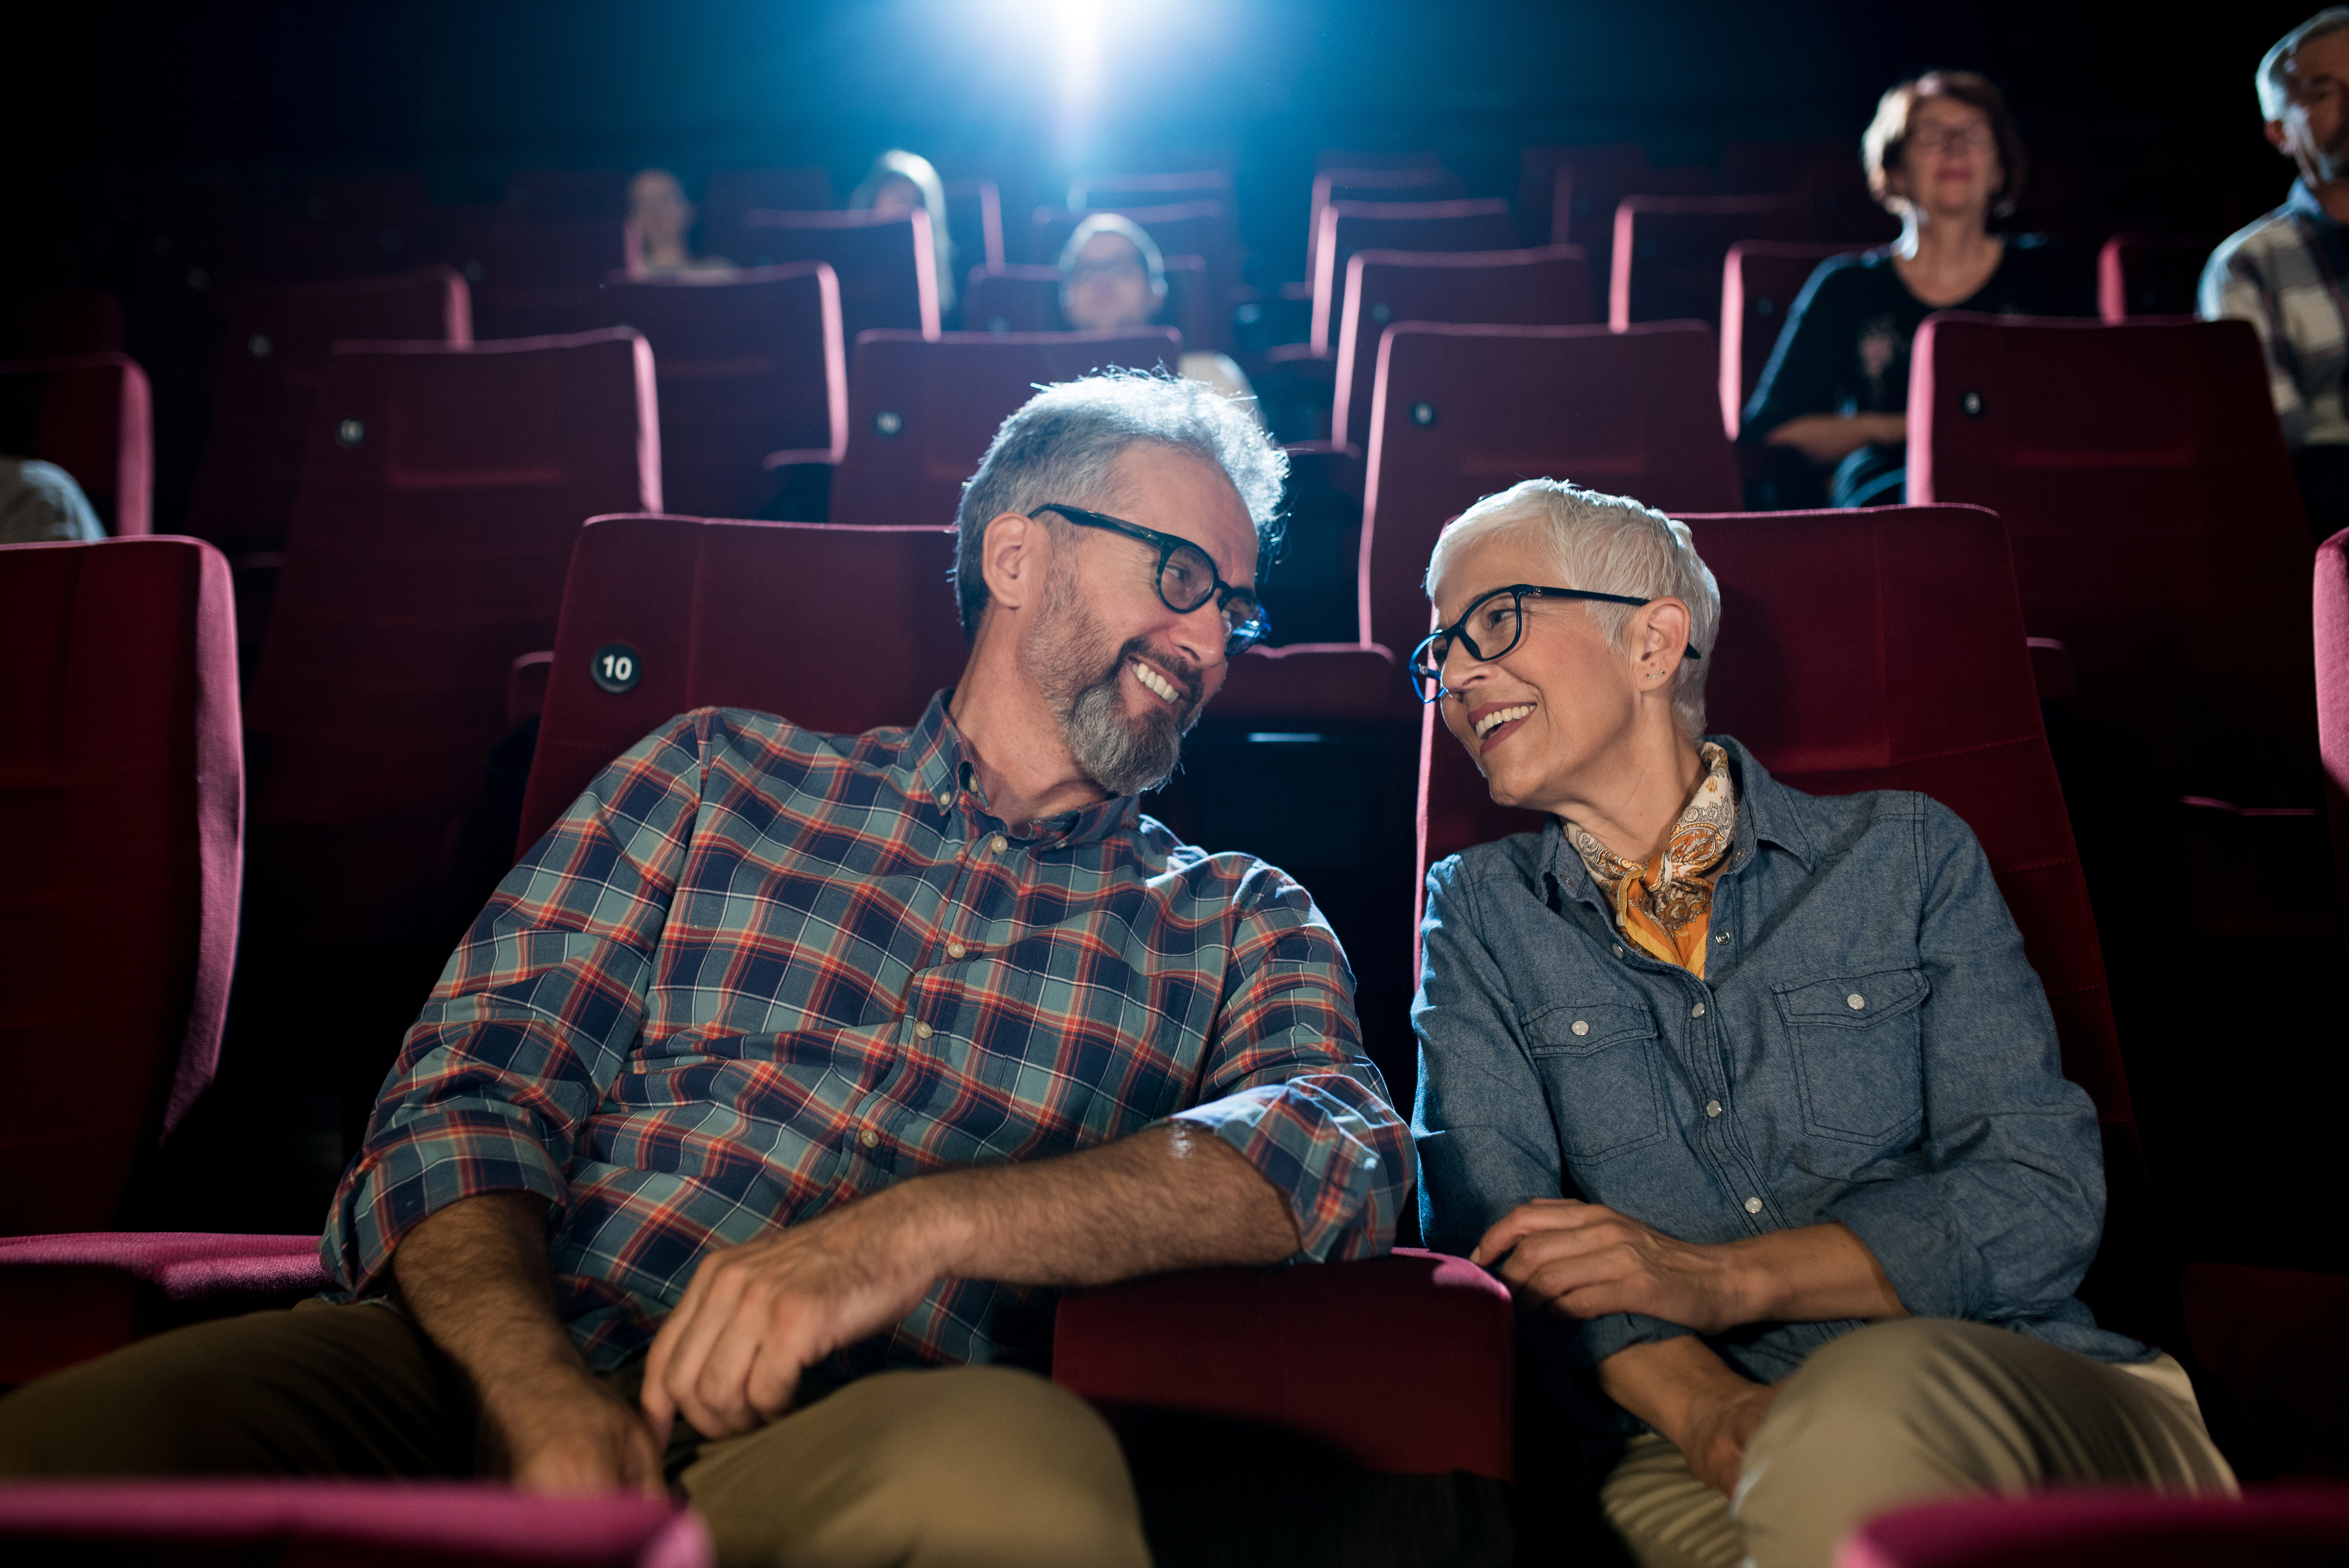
1605 544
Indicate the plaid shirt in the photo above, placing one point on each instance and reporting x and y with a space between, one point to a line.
2283 274
756 972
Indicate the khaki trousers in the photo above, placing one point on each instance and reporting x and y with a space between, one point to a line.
971 1467
1903 1411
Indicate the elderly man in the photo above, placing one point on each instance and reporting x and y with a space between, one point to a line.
1113 279
2284 272
1750 1095
748 1132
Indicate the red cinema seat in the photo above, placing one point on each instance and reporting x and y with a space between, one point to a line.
1461 411
2293 1527
922 412
2266 1345
1666 264
1027 298
1567 195
1760 281
975 222
438 502
518 268
568 195
2149 276
74 1296
1943 703
90 414
122 796
1549 286
363 1524
2333 700
887 267
2145 487
1425 184
1351 226
1202 229
663 615
731 195
273 363
59 322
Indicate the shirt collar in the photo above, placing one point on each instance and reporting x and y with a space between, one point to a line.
1765 814
2302 204
933 767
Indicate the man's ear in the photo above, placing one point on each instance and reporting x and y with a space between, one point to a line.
2274 129
1014 555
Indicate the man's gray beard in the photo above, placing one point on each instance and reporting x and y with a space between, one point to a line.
1123 755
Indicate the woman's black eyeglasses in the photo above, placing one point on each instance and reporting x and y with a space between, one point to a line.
1490 627
1186 577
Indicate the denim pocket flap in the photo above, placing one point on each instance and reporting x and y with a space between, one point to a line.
1852 1000
1578 1029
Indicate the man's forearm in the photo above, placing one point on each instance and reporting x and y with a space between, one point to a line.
1664 1381
475 1277
1814 1273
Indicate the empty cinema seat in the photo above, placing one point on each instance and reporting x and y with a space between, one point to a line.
1942 703
2149 276
438 502
1461 411
1567 195
2333 701
1547 286
1427 184
730 195
90 414
1760 281
2145 486
518 268
1351 226
122 799
272 362
921 412
1666 263
887 271
2267 1527
975 222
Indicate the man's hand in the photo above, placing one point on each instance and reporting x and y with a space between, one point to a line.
758 1315
1720 1424
558 1431
1587 1261
1699 1404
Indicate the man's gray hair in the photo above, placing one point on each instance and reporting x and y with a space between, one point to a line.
1062 443
2274 98
1605 544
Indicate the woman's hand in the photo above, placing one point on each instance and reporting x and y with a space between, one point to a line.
1585 1261
1831 437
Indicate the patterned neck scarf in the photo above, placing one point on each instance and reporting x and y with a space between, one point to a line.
1663 904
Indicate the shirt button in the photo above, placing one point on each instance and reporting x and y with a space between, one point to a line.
923 1031
1712 1107
1619 949
1582 1026
956 950
1722 937
1697 1011
1855 1001
999 843
945 797
1752 1206
868 1138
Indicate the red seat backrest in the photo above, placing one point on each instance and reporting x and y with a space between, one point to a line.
54 323
2151 275
1420 184
835 628
923 412
439 498
1461 411
122 800
1202 229
1667 259
568 195
730 195
1116 192
271 365
2152 509
91 415
1760 281
2333 698
1549 286
1027 298
1351 226
975 222
887 267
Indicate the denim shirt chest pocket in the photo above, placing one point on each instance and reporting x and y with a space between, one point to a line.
1857 1051
1598 1065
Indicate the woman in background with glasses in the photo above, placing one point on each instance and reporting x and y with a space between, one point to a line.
1749 1095
1943 155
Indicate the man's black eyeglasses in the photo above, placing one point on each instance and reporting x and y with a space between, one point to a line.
1186 577
1490 627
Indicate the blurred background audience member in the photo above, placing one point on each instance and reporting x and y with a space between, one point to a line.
40 504
663 217
1113 279
2282 273
1944 157
900 182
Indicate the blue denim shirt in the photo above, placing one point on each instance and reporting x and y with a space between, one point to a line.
1869 1045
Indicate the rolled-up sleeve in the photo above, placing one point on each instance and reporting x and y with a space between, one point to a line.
1995 1211
1288 1084
533 1015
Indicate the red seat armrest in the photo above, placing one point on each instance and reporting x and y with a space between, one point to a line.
67 1298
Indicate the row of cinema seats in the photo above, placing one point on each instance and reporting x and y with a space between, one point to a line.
1398 1368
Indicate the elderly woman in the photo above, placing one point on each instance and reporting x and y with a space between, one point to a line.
1750 1095
1943 155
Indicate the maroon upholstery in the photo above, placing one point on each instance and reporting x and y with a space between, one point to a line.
1666 263
2146 489
746 614
67 1298
1459 412
55 323
122 800
1567 195
273 361
1351 226
1420 184
1116 192
2297 1527
886 265
438 502
1760 281
1547 286
90 415
2149 276
518 268
1027 298
2271 1340
2333 700
731 195
922 413
349 1524
975 222
1404 1364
